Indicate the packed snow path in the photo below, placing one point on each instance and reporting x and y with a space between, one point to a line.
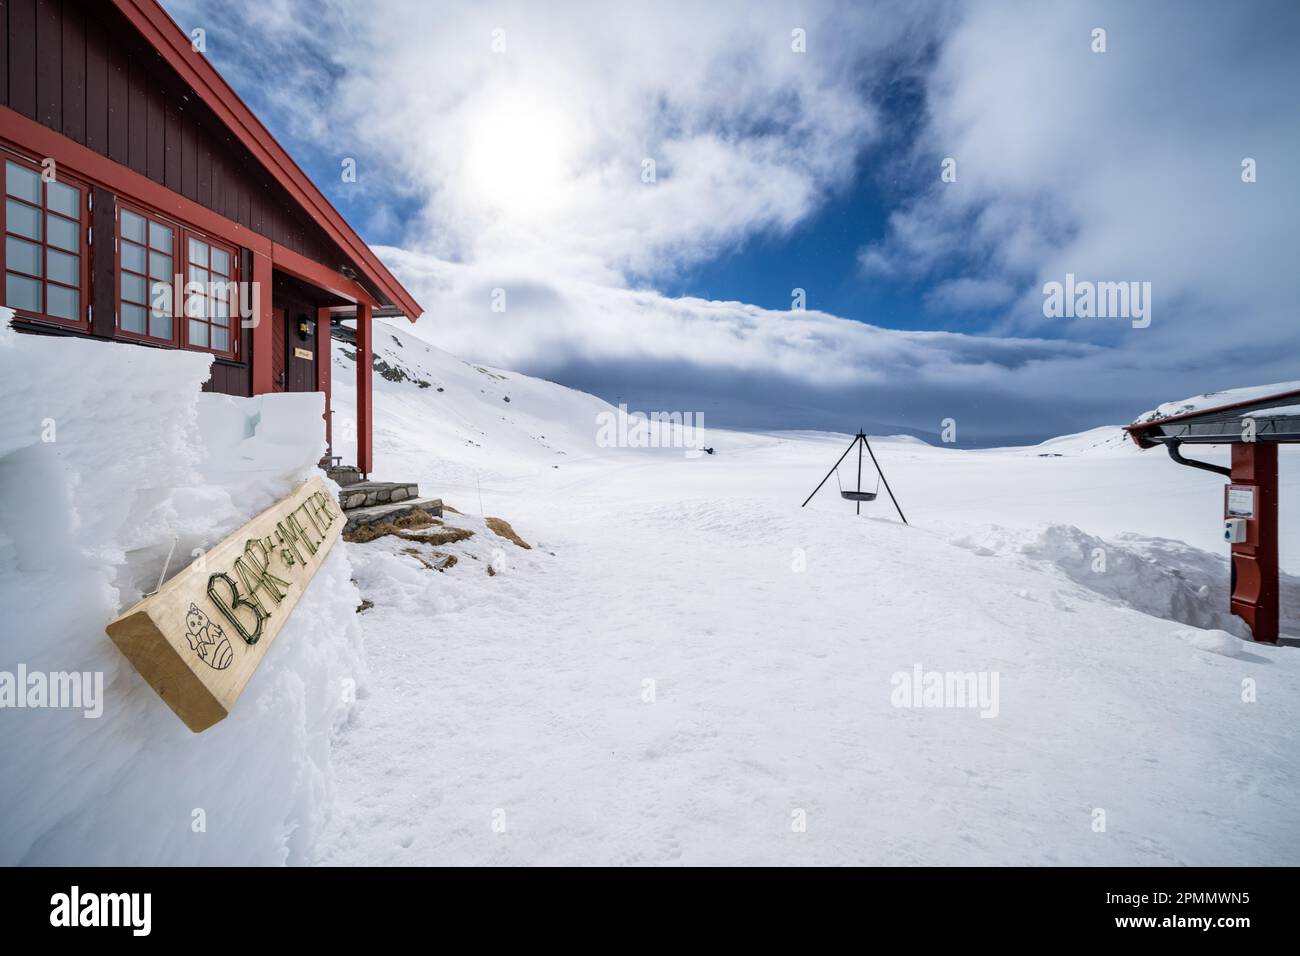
508 719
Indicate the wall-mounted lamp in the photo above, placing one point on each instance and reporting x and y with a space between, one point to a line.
304 327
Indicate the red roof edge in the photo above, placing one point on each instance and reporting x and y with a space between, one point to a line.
172 43
1135 430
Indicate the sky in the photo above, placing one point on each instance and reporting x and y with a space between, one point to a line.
811 215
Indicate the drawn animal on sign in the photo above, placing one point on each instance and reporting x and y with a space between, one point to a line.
207 640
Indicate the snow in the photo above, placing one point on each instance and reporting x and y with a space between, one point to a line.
110 457
1230 396
681 668
1275 411
508 720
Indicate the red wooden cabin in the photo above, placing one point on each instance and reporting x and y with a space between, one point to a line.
145 203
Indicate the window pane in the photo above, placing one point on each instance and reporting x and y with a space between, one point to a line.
23 220
61 232
22 293
63 198
23 183
133 318
160 237
61 301
198 334
161 299
198 252
133 288
132 226
62 267
160 326
220 340
220 310
23 255
221 262
200 276
132 257
160 266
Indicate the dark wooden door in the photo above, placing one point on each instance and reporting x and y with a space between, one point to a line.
279 339
300 353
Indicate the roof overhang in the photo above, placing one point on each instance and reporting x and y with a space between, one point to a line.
174 46
1275 419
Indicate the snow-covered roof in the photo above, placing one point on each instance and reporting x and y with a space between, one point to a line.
1211 400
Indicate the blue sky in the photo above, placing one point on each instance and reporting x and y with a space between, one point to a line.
503 148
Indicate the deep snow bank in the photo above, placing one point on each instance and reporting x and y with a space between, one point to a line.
1158 576
110 457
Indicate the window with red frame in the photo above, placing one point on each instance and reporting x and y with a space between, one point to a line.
146 249
45 235
210 296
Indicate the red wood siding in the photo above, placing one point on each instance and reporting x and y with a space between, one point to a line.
79 68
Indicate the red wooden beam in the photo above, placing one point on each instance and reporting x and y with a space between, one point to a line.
25 136
263 326
1255 595
365 449
175 47
296 264
323 370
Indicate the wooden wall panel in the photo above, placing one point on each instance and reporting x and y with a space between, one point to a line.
103 278
118 111
49 63
74 72
137 126
22 57
155 137
173 122
4 51
203 192
96 92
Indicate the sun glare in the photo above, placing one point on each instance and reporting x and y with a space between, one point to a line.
518 156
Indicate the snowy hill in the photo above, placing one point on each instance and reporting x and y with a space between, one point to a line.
698 658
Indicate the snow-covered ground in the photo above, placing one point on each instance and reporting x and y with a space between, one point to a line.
687 668
113 469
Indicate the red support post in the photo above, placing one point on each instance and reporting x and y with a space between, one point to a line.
365 451
323 353
263 325
1255 591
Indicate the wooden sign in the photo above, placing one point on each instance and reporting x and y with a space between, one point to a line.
304 354
200 637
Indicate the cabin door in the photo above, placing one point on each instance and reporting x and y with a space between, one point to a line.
300 353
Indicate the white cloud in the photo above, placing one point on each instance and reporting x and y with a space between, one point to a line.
742 365
537 152
1123 165
966 294
526 167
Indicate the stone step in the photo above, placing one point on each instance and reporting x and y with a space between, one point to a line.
359 517
365 494
344 474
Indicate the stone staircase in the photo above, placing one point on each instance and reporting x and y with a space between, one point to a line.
369 502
